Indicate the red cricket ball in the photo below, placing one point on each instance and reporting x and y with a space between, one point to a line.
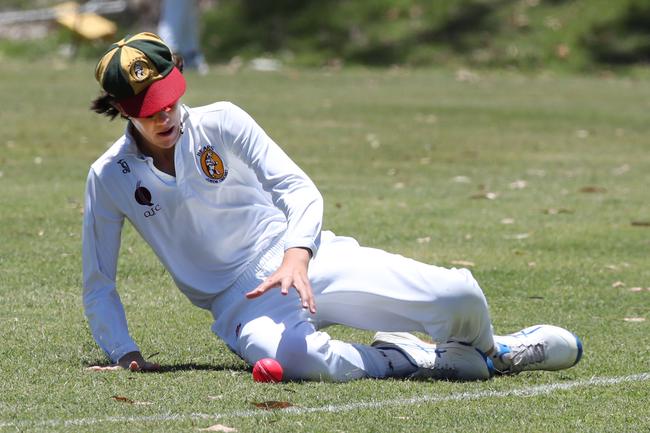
267 370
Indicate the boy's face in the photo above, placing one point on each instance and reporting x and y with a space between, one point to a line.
160 130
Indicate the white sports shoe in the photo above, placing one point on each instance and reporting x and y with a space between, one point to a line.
451 360
539 347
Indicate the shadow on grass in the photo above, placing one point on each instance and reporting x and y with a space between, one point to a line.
201 367
190 366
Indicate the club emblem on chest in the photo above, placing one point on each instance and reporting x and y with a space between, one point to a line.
212 165
143 196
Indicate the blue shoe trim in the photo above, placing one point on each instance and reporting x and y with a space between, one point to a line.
488 362
503 349
579 343
528 331
490 366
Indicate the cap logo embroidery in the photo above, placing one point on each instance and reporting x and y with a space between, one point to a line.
140 71
212 165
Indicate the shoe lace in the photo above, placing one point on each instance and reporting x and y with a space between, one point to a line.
525 355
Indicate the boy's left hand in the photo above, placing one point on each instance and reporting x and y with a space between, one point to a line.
291 273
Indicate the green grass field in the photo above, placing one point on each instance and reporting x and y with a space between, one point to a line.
405 161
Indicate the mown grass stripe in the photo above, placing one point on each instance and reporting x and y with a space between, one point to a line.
169 417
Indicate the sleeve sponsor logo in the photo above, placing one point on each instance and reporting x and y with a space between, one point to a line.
125 166
212 165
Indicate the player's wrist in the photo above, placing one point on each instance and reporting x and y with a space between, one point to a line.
300 251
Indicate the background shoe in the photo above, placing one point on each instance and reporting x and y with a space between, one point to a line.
451 360
539 347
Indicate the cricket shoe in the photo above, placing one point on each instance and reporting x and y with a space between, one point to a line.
540 347
450 361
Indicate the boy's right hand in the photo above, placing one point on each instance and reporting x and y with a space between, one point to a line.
132 360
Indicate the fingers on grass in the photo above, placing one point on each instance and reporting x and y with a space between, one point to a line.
103 368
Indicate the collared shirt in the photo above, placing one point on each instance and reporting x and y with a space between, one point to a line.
235 191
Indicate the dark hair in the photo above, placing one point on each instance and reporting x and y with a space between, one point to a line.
105 103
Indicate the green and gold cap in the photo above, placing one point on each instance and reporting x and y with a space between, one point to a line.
140 73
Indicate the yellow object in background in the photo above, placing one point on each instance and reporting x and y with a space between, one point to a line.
88 25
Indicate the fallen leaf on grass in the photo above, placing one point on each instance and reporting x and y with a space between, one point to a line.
592 189
429 119
640 223
272 404
618 171
373 141
219 427
562 51
554 211
617 267
634 319
638 289
465 75
486 195
618 284
122 399
518 184
536 172
462 263
461 179
582 133
518 236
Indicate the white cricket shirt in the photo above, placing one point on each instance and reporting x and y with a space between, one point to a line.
234 192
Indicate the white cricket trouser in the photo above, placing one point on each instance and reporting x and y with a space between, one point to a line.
356 286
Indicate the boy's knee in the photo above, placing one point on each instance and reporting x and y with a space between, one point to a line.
467 293
305 355
303 352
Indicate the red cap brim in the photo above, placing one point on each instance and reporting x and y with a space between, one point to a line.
158 95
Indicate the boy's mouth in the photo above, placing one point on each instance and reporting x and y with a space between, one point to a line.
168 132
